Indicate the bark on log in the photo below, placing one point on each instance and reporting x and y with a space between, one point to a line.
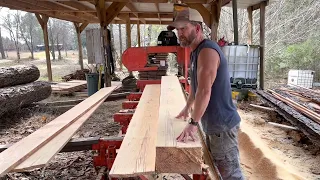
15 75
12 98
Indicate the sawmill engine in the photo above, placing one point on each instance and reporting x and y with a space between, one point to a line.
160 60
153 62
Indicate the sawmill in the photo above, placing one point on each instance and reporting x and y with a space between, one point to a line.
145 145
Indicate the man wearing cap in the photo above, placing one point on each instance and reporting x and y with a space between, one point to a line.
210 96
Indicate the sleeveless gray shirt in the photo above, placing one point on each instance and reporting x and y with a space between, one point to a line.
221 114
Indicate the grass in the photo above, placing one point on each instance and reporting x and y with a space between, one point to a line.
67 65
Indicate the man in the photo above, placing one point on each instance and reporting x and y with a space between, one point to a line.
210 95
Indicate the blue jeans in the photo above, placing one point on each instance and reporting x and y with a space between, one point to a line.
225 153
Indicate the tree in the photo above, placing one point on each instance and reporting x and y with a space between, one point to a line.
29 29
3 56
12 24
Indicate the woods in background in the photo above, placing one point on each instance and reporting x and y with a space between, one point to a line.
292 35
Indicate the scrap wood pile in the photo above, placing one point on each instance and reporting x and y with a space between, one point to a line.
78 75
301 106
18 87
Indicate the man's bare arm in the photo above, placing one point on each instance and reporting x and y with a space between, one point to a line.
190 100
208 63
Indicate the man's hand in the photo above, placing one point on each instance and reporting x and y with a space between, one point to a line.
184 113
189 130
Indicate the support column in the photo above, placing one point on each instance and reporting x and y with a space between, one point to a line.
105 17
79 29
215 17
138 34
128 31
235 21
43 21
249 9
262 41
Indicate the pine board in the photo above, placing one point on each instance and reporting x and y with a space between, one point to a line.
137 153
70 86
41 157
173 156
23 149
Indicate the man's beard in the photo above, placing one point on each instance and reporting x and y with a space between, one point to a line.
186 41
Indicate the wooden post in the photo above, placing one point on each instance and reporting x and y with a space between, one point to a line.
235 21
79 29
215 16
43 21
262 41
138 33
120 39
128 31
249 9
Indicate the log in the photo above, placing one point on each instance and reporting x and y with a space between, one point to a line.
12 98
15 75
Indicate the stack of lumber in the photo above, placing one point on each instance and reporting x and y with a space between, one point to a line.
37 149
18 87
69 86
150 144
300 105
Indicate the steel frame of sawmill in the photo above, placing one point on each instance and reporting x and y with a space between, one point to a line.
105 12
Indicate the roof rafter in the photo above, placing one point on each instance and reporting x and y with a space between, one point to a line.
49 5
132 8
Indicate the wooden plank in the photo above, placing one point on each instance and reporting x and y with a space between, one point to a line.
70 86
173 156
137 153
21 150
41 157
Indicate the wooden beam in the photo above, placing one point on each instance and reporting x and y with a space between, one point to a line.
83 26
78 30
215 17
78 5
250 21
173 156
235 21
23 149
43 21
128 31
137 153
262 41
132 8
113 11
203 11
138 34
147 22
50 5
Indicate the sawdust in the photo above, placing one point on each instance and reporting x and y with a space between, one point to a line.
268 152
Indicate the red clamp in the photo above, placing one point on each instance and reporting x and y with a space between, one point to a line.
106 152
124 120
129 104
